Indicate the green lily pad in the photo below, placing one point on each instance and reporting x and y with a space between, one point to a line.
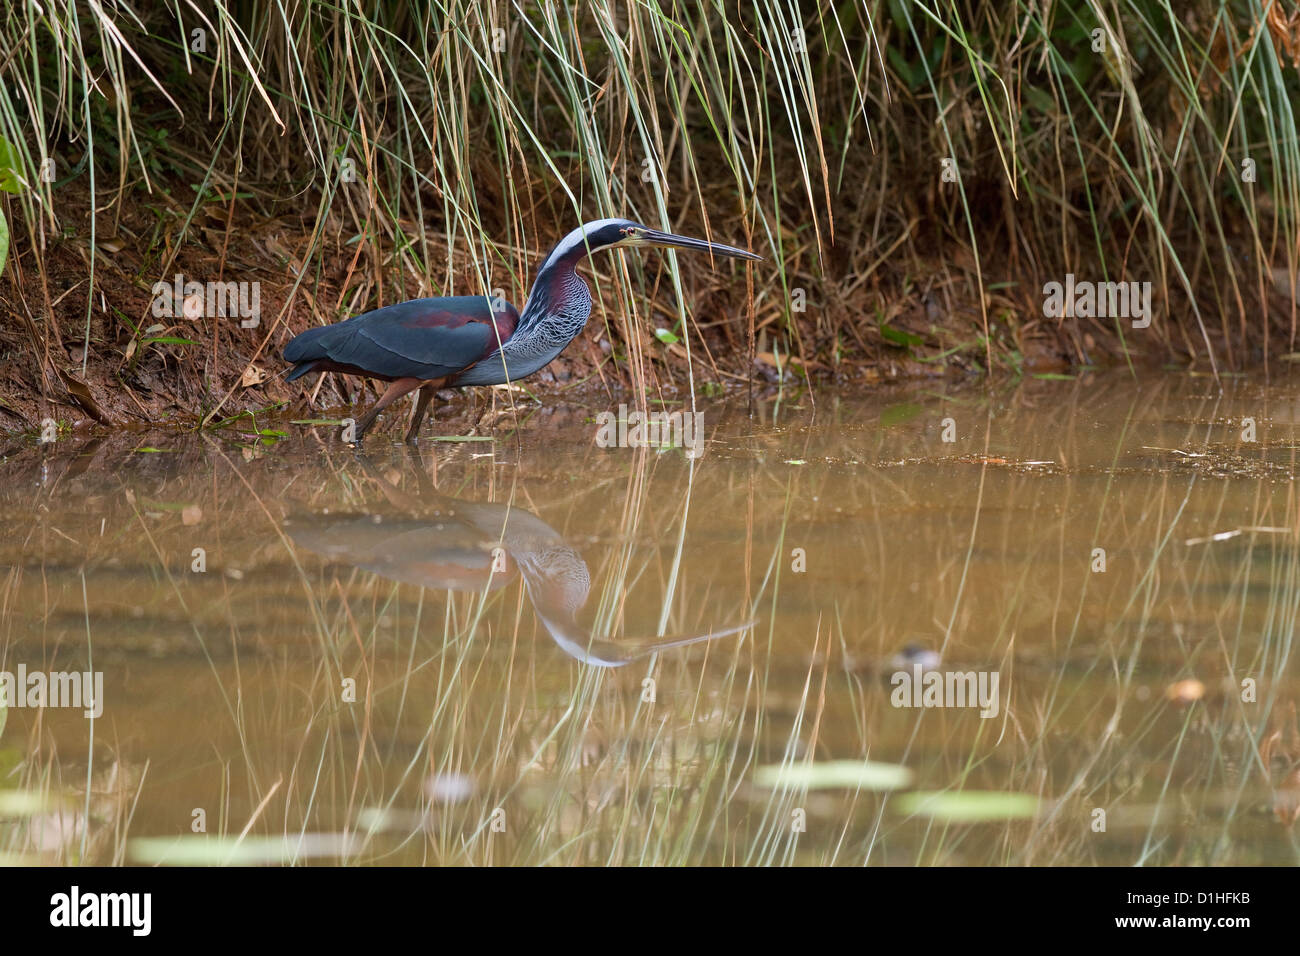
969 806
202 850
22 803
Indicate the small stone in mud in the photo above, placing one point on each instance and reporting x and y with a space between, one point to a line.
912 655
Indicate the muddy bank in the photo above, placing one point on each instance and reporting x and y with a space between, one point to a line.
146 368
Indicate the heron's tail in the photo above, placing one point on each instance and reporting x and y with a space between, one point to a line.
301 369
307 348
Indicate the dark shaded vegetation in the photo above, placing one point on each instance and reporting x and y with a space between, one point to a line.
346 162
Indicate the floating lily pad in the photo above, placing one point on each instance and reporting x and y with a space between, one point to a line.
22 803
231 851
834 775
969 806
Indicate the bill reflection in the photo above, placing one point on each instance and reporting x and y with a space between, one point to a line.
449 544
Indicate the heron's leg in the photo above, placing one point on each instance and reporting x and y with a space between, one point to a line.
421 403
396 390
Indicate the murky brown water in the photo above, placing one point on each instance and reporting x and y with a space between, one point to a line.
451 656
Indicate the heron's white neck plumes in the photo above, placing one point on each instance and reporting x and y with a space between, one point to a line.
577 239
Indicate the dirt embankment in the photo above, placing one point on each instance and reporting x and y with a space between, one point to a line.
143 367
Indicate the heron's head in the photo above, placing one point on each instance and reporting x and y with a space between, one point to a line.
624 233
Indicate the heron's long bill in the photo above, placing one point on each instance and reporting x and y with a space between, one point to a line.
654 238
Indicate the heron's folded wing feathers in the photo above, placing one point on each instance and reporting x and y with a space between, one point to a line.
423 338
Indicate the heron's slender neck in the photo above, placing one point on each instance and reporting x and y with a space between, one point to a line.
557 283
560 301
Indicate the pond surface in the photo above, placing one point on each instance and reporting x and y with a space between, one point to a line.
532 649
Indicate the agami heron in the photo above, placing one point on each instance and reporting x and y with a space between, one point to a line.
463 340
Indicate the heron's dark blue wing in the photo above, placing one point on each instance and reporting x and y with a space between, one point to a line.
423 338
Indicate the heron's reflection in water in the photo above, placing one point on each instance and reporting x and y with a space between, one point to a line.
451 544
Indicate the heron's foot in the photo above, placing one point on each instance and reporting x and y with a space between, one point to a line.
413 434
358 431
394 391
361 426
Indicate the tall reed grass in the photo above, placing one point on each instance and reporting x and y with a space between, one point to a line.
425 148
